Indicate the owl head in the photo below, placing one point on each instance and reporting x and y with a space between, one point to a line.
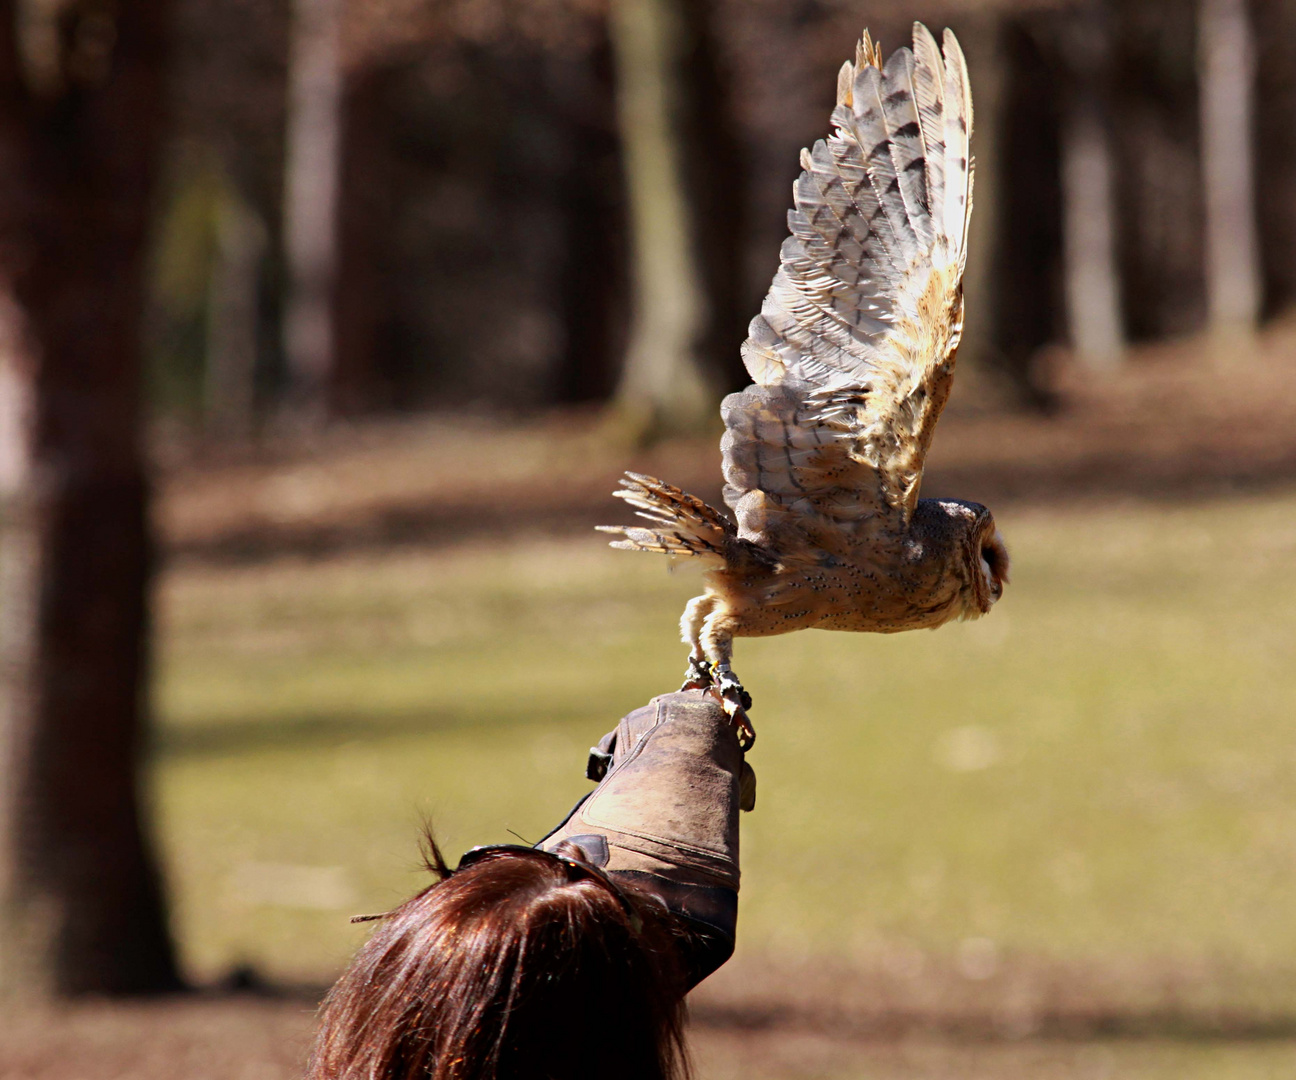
973 544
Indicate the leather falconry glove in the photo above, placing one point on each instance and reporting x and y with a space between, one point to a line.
665 816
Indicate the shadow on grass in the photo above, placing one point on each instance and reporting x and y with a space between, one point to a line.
1180 1025
221 738
1100 474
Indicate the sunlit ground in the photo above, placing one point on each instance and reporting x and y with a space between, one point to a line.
1099 776
808 1058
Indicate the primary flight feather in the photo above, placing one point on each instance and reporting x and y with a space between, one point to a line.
852 359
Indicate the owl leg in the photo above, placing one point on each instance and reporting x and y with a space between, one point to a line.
698 675
717 646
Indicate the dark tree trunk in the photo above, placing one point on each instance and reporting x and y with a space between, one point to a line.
983 45
717 192
592 289
360 380
1158 179
80 97
1275 146
1027 259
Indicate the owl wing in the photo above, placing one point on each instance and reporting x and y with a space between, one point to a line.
853 351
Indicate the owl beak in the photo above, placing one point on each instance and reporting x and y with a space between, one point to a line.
990 585
997 566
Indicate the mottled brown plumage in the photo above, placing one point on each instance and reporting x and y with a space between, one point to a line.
852 358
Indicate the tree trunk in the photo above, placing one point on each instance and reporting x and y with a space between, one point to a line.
1274 28
312 174
664 385
1025 212
716 182
80 118
1226 57
360 303
591 203
983 45
1088 225
1090 270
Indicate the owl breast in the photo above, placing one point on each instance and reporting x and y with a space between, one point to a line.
908 586
914 593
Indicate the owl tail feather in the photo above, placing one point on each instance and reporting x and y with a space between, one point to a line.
682 523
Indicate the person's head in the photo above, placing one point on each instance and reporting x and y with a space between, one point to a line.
521 965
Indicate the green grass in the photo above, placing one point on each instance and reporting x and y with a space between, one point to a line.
1103 771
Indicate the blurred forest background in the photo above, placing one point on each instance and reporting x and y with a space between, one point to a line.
448 188
325 329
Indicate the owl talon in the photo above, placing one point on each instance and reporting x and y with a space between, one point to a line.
742 725
698 676
731 689
735 701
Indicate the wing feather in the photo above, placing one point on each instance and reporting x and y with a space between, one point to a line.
788 478
853 351
870 159
958 155
907 148
929 95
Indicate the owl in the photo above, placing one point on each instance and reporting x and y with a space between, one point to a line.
852 359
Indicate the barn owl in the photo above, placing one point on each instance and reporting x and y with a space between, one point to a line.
852 358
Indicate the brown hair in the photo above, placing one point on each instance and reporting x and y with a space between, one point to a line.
509 970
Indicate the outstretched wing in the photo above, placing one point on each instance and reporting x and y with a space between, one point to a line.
853 351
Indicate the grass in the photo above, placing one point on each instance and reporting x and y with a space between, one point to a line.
1099 773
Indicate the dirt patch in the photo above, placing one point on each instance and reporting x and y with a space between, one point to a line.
752 1020
1021 998
197 1037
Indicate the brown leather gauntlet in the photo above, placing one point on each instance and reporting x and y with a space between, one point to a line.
665 816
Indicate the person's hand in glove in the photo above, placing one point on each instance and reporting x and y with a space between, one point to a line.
664 816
